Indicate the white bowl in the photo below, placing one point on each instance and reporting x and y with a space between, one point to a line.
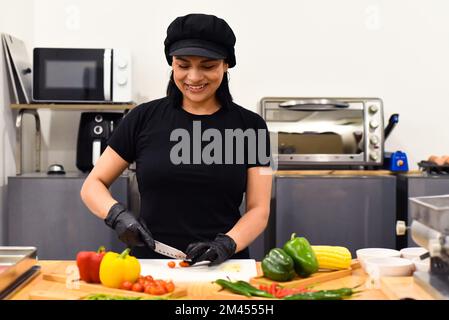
389 267
413 253
363 254
422 265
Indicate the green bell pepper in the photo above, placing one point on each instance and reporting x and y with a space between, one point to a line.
302 254
278 265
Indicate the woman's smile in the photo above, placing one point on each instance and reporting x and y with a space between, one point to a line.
196 88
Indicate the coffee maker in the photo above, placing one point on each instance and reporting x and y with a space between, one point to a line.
94 131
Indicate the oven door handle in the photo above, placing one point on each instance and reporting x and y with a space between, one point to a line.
314 104
107 74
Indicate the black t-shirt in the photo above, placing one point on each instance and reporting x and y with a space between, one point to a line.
192 200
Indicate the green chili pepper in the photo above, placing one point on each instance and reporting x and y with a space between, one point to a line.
101 296
302 254
233 287
338 294
244 288
253 290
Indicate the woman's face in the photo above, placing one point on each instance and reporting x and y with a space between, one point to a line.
198 78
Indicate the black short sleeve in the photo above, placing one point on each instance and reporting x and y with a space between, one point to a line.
124 137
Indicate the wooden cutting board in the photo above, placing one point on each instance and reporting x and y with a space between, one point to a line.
397 288
316 278
234 269
61 288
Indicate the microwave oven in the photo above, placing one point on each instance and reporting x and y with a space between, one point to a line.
325 132
81 75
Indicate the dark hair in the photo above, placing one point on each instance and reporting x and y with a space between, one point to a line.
223 94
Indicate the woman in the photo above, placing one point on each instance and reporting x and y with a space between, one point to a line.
191 179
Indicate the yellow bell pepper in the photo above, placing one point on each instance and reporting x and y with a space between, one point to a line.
116 268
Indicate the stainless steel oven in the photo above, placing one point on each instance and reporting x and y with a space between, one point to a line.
319 132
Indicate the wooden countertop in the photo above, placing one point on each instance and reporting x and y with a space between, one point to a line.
383 289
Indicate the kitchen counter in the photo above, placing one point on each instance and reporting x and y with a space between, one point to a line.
385 289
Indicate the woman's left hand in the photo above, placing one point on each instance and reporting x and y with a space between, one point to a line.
217 251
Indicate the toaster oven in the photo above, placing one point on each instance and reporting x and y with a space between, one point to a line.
325 132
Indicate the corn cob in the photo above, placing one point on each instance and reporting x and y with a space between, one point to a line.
332 257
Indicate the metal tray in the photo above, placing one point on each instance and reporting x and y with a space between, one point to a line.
433 211
14 262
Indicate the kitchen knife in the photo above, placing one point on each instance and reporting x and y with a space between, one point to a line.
171 252
168 251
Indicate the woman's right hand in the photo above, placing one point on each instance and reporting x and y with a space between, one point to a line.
131 231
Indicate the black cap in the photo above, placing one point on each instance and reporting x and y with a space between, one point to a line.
200 35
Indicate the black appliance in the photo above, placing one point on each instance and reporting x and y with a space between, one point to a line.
94 131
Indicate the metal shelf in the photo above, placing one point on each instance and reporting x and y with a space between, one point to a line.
32 110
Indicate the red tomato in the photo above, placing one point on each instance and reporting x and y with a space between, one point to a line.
126 285
141 281
184 264
157 290
137 287
149 278
148 289
170 286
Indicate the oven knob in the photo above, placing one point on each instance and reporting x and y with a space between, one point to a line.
122 80
374 156
374 140
98 130
98 118
374 124
373 108
122 63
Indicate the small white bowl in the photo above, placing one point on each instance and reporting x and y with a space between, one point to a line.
389 267
413 253
363 254
422 265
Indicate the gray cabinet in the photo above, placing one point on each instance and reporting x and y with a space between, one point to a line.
417 185
351 211
47 212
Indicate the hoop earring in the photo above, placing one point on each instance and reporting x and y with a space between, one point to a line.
228 76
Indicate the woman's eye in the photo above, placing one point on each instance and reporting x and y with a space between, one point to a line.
209 67
183 66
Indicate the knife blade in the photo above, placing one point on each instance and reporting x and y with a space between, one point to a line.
168 251
171 252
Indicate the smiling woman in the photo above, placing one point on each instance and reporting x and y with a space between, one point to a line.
192 205
198 79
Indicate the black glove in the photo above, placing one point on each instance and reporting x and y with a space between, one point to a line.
131 231
217 251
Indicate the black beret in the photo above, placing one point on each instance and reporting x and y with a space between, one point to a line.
200 35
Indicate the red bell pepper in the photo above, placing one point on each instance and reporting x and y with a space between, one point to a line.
88 263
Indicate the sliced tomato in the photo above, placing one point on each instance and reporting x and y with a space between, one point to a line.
184 264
